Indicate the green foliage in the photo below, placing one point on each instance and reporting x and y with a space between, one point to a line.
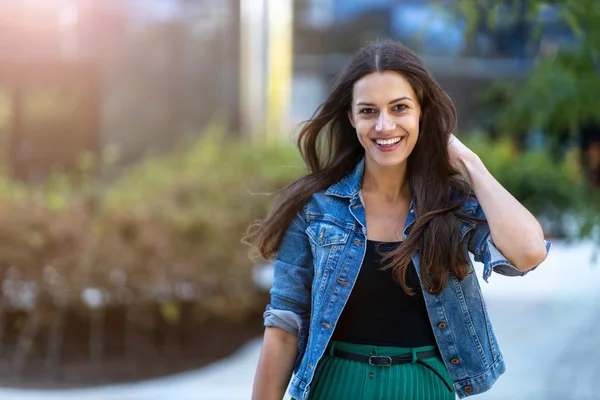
548 188
212 163
541 184
170 222
560 93
558 97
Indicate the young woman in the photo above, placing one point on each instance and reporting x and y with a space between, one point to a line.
374 295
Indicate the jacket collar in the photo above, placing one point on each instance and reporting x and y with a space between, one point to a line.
350 185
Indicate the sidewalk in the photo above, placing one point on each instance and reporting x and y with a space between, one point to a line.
546 323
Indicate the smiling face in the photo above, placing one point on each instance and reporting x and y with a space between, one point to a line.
385 113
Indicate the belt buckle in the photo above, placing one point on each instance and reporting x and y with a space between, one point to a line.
380 358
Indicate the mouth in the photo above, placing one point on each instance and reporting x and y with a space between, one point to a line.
389 144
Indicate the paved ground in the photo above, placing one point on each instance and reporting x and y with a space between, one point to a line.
549 337
546 322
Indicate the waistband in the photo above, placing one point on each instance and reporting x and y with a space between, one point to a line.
369 350
389 351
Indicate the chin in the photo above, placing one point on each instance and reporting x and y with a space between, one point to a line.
390 162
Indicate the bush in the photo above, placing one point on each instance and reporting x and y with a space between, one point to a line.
99 276
168 230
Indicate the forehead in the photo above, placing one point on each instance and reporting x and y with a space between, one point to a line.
382 87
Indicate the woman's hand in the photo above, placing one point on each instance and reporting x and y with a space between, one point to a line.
459 153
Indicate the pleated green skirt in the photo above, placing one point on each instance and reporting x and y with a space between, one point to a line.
340 379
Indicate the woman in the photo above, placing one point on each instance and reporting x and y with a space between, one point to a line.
374 295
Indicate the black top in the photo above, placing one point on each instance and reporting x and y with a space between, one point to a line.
378 311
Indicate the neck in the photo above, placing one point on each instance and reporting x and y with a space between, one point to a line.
388 183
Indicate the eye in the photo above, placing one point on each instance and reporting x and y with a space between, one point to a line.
367 111
399 107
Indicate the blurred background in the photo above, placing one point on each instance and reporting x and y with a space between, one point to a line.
139 139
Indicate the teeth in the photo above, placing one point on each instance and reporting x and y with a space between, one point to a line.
387 142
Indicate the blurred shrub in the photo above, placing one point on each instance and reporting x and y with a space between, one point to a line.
167 230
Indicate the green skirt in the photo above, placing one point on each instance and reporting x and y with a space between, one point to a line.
340 379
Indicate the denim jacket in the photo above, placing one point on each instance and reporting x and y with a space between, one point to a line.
318 262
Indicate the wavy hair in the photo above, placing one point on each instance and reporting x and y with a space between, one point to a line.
330 148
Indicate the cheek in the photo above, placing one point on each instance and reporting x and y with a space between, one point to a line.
362 128
410 123
362 139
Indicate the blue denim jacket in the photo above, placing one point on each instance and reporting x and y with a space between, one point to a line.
317 265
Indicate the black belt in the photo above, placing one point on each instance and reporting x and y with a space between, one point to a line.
386 361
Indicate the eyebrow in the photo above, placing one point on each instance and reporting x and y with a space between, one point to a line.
391 102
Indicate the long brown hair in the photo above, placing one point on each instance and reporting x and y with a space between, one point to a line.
331 150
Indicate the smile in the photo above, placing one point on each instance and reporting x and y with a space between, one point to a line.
390 144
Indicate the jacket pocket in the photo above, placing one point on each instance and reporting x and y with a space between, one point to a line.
327 242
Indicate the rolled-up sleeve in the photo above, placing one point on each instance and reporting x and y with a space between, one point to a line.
289 308
484 250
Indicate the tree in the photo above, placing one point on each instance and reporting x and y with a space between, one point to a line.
559 94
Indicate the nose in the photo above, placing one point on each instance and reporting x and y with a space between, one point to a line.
385 123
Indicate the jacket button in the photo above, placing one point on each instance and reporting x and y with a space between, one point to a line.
468 389
442 325
454 361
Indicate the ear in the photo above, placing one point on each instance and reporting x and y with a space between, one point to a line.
351 118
